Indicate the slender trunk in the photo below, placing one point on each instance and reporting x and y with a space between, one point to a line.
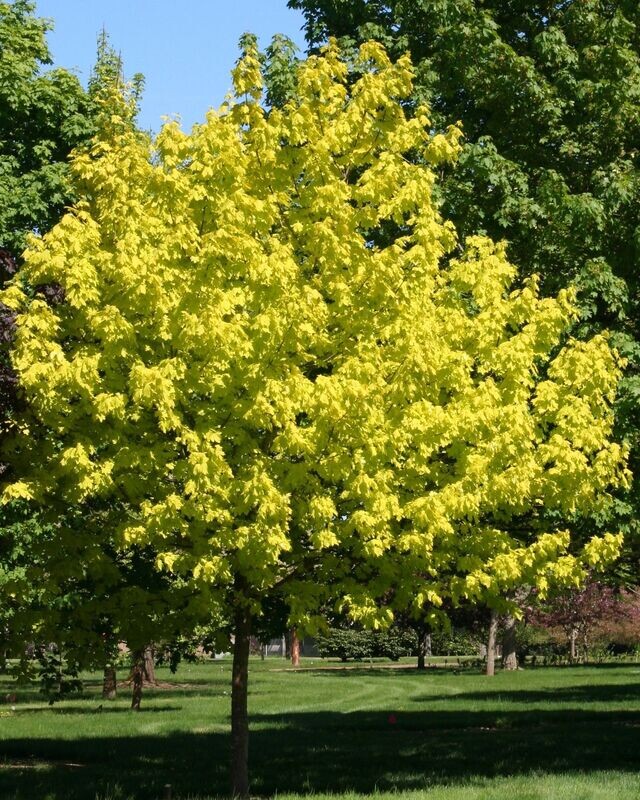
573 636
283 647
239 717
137 679
491 643
149 665
295 648
109 685
424 648
509 654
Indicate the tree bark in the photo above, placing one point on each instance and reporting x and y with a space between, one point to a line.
572 645
239 716
424 648
109 684
149 665
137 679
491 643
509 654
295 648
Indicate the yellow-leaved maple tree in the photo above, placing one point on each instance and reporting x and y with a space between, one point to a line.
267 353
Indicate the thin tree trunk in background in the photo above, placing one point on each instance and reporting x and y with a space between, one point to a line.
137 679
239 716
572 645
509 654
491 643
109 685
149 665
295 648
424 648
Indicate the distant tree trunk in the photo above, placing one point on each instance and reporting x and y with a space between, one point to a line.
491 643
283 646
137 679
109 685
239 716
295 648
424 647
149 665
509 654
573 637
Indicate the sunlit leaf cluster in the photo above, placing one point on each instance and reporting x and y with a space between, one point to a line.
269 356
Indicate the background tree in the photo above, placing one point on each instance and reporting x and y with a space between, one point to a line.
43 116
578 612
265 363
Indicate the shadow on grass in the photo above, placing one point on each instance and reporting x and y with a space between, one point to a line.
327 751
102 709
592 693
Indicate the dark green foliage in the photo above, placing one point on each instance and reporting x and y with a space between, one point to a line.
202 644
62 584
454 643
278 70
349 644
346 644
47 666
43 116
396 643
58 677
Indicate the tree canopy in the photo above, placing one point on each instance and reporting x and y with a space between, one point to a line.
548 95
261 358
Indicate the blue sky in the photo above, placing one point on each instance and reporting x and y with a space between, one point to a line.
185 48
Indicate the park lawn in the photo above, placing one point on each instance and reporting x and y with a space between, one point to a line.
540 734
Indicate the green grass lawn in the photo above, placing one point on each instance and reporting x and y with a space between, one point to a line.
539 734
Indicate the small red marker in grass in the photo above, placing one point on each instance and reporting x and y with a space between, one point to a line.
392 719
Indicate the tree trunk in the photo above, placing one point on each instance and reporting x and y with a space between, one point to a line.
572 645
295 648
424 648
491 643
109 685
239 717
149 665
137 679
509 654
